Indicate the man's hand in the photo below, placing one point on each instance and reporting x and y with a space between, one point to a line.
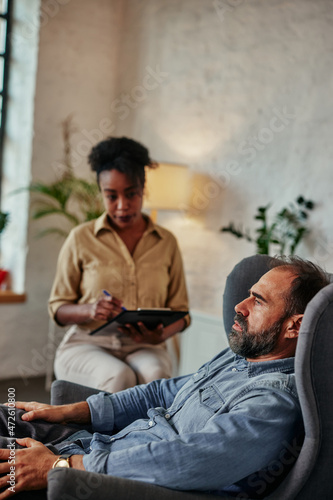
25 469
63 414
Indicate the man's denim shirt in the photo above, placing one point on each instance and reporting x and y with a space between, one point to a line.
210 431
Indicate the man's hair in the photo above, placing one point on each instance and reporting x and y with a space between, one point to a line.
125 155
309 279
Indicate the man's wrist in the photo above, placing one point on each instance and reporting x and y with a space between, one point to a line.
62 461
79 413
77 462
69 461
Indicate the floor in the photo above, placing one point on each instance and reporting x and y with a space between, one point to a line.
32 389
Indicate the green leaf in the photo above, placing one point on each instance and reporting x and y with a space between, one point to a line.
52 230
4 218
231 229
287 228
46 210
59 191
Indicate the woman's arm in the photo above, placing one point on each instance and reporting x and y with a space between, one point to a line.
103 309
67 290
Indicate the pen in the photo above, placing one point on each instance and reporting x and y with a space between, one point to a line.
109 295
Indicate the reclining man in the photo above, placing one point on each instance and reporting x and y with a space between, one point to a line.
217 430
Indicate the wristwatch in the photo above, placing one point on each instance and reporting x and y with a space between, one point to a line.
62 461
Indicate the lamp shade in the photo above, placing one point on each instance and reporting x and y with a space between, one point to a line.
167 187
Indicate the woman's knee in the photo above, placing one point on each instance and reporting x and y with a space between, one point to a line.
151 373
123 379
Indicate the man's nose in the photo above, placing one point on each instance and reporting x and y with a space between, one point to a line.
242 308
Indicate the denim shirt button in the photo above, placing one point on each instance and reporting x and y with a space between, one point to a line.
150 423
167 416
234 370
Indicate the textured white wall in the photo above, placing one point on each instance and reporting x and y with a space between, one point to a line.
240 91
245 98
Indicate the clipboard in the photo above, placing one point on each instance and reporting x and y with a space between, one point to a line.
149 317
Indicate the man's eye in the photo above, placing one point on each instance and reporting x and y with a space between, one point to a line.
112 197
257 301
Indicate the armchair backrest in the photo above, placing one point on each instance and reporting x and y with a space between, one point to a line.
311 475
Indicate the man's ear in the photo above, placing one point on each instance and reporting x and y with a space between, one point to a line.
293 325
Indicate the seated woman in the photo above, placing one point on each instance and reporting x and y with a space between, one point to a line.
135 260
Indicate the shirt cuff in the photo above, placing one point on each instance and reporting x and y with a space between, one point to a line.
187 320
101 412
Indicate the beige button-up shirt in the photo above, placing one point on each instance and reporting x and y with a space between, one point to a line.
94 258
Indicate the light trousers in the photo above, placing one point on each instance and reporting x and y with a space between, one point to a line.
109 370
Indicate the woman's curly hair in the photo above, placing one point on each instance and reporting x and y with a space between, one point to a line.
125 155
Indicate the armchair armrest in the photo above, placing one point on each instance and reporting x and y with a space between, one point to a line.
72 483
63 392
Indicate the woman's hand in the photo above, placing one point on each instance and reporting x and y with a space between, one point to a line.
62 414
105 308
160 334
142 335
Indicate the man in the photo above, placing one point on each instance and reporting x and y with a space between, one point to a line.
219 430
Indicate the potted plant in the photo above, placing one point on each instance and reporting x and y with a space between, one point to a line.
73 198
284 233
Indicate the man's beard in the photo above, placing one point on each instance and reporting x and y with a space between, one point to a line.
255 344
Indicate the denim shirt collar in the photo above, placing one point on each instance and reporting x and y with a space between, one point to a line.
285 365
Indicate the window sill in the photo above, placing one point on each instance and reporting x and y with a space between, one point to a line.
9 297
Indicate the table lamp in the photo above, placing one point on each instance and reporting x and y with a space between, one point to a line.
167 188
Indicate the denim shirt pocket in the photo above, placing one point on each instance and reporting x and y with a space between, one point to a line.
210 398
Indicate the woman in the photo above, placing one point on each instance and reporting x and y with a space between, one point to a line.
137 262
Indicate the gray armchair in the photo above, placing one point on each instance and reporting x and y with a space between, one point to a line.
310 477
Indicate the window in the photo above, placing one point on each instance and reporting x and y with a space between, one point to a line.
17 136
5 25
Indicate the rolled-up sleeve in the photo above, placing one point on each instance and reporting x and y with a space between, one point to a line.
66 285
112 412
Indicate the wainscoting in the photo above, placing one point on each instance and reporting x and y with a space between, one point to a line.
204 338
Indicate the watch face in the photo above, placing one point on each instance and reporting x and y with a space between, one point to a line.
62 463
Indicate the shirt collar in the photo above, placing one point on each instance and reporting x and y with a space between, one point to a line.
102 222
152 227
285 365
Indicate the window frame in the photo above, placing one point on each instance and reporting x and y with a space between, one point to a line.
4 92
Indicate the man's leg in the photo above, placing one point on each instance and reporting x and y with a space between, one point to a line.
45 432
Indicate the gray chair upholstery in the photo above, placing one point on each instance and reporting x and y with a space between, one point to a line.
309 478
